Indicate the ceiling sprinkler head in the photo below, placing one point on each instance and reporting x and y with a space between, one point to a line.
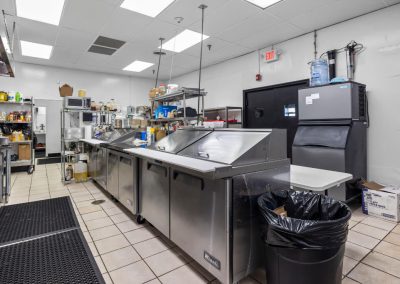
209 47
179 19
154 71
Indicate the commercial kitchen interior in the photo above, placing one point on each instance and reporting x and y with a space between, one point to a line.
156 124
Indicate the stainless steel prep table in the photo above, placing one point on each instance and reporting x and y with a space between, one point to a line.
207 203
114 170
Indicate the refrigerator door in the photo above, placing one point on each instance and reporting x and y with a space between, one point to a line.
127 186
154 194
198 220
112 173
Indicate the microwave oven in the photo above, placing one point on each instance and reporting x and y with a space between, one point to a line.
77 102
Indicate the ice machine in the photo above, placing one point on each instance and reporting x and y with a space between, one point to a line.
332 132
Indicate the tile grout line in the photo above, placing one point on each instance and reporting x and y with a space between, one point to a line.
371 251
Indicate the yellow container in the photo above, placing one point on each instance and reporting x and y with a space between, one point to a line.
80 172
82 93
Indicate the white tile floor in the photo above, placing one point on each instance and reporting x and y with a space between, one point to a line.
127 252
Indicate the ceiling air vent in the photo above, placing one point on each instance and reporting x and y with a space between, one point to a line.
106 46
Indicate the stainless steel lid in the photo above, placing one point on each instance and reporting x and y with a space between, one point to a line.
179 140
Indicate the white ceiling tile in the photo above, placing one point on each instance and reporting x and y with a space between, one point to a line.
216 44
131 52
95 59
226 16
88 15
63 55
334 12
114 2
8 6
254 25
151 33
77 41
124 24
391 2
271 35
291 8
34 31
189 10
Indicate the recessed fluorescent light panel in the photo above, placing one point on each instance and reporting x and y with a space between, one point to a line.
5 43
263 3
37 50
46 11
183 41
149 8
138 66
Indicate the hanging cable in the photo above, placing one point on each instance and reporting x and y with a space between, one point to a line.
202 7
159 53
172 59
315 44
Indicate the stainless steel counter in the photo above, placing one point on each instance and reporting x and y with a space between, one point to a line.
203 196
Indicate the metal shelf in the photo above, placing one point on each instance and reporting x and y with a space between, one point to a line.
184 93
15 103
16 106
88 111
173 119
14 122
21 142
20 163
224 113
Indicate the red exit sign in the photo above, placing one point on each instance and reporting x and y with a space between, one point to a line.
271 56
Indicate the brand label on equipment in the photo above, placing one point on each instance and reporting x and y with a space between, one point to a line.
212 260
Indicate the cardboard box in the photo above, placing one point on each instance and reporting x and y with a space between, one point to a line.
24 152
66 90
138 123
381 201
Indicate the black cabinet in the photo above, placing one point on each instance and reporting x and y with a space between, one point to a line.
274 107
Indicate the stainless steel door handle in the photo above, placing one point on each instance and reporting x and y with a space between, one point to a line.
203 154
177 173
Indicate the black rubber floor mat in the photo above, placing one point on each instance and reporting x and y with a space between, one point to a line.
60 258
26 220
49 160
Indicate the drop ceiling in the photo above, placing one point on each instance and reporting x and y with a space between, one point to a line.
235 27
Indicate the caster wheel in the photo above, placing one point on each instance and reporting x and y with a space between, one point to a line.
140 219
30 170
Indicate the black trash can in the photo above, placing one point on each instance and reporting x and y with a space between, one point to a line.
306 245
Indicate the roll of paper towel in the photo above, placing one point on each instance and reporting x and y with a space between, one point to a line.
88 132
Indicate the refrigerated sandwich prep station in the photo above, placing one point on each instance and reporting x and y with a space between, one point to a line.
199 188
97 166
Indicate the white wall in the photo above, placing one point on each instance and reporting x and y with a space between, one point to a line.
378 67
42 82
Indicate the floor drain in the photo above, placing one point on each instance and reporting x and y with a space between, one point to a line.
98 202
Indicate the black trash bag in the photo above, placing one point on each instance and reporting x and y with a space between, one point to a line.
313 221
